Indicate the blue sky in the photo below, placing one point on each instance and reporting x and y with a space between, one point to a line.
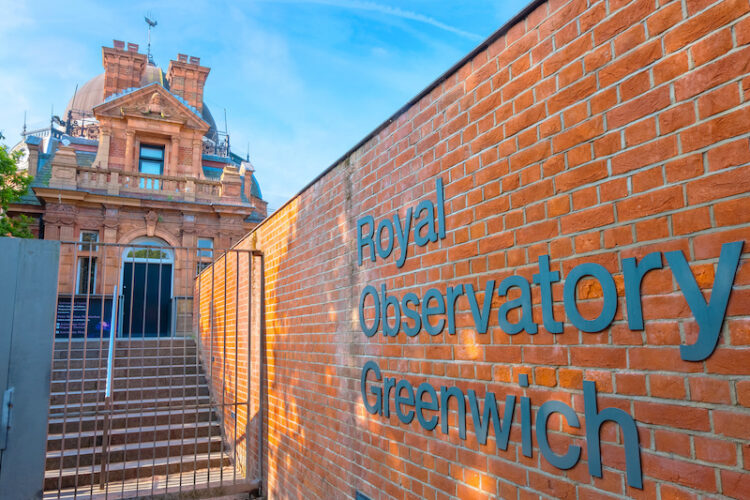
302 81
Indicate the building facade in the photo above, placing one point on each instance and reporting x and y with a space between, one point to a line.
137 160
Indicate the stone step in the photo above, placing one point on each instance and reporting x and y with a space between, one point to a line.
128 394
134 435
146 452
64 343
175 416
59 409
150 361
100 373
71 477
101 352
132 382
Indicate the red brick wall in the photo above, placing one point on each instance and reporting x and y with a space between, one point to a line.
589 132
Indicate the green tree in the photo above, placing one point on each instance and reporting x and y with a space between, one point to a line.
13 185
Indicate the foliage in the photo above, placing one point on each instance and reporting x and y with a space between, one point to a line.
13 185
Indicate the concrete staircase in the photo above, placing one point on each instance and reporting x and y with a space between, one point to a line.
162 421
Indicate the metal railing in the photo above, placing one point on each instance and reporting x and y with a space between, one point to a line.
151 386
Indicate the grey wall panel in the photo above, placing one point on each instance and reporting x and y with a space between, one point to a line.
28 295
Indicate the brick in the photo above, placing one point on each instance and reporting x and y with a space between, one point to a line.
670 68
697 26
731 423
647 154
647 179
571 94
598 58
612 190
667 386
632 37
630 63
712 47
587 219
671 492
624 19
691 221
711 75
742 30
568 53
735 484
534 154
680 472
604 357
715 451
585 174
664 18
603 101
729 155
672 442
676 118
674 416
652 229
637 108
663 200
732 212
635 86
633 384
684 168
719 185
719 100
617 236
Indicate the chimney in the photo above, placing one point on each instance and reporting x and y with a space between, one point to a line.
186 79
122 67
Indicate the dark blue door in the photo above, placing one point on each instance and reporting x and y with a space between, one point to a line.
147 299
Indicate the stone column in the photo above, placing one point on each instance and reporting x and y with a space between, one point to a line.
129 150
231 184
64 169
109 235
174 157
197 166
102 153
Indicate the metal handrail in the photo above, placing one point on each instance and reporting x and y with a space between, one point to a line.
108 389
111 353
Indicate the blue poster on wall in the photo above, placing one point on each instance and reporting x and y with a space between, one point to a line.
81 315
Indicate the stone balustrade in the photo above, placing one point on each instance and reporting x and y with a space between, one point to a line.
67 174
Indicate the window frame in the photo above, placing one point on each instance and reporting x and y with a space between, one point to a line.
92 263
151 183
204 255
88 245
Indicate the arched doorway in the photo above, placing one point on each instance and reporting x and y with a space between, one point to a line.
147 276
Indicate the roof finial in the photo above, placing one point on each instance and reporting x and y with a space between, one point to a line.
151 23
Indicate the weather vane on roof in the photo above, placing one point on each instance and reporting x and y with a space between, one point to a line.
151 23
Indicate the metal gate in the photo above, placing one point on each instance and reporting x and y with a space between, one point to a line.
151 376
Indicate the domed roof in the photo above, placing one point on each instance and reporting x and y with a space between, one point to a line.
87 96
91 94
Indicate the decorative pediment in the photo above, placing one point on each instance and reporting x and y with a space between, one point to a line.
152 102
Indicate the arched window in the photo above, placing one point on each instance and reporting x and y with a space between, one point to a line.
149 249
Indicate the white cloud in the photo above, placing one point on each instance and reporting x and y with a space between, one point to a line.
389 11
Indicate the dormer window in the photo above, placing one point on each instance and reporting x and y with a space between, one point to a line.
151 162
